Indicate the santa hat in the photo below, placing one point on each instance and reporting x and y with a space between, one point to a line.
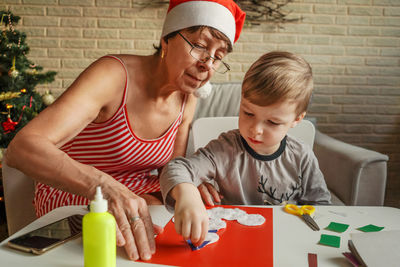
223 15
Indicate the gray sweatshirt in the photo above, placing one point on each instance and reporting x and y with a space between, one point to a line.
245 177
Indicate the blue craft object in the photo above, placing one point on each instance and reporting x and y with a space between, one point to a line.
193 247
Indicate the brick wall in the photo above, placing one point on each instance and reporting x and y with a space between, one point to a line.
352 45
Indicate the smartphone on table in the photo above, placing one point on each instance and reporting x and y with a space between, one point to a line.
47 237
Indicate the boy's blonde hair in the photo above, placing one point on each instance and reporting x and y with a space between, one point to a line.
279 76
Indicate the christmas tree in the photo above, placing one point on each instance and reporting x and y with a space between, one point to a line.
19 102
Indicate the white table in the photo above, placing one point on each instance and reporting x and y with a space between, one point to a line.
293 239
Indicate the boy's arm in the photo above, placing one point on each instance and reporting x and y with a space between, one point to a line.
191 217
189 170
315 188
178 181
197 168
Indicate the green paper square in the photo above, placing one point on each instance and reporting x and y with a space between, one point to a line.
370 228
330 240
337 227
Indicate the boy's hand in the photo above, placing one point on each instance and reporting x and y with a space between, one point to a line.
191 217
209 194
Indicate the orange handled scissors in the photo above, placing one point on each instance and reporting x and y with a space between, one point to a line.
304 211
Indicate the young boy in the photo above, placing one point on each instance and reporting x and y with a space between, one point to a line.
258 163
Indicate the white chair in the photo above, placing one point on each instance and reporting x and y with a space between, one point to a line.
18 196
208 128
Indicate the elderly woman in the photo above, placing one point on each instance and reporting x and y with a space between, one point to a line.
123 117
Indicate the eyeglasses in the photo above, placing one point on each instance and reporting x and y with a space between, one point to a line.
202 55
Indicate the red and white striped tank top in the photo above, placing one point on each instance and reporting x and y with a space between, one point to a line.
113 148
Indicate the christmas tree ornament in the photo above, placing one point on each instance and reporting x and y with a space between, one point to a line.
8 95
32 69
2 18
10 25
48 98
13 72
9 125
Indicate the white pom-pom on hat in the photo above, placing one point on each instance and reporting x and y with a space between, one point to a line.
204 91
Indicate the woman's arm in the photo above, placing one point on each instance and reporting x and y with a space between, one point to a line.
94 96
35 149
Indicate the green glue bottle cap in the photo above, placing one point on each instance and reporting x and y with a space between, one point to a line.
99 204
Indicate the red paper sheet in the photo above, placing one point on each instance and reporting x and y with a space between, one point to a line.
238 245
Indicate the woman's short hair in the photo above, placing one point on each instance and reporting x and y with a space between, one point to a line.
279 76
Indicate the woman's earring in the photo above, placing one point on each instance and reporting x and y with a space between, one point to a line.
162 54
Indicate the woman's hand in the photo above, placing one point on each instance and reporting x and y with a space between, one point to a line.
135 230
191 217
209 194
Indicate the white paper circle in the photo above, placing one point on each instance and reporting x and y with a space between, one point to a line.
216 224
212 237
251 220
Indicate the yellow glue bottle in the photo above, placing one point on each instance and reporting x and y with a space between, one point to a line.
99 234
